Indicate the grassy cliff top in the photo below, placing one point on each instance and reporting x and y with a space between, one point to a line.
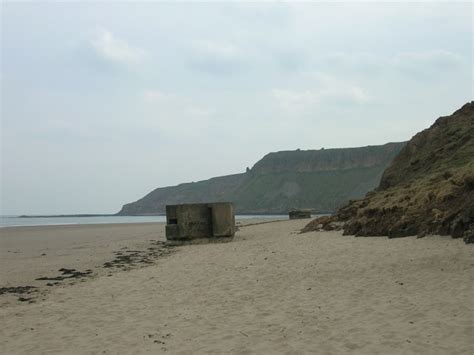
326 159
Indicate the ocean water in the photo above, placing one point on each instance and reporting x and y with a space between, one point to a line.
15 221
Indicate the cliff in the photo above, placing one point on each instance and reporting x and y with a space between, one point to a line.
428 188
319 179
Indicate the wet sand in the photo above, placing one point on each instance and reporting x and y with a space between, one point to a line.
271 290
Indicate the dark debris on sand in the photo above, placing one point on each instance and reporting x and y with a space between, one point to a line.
20 290
66 274
125 259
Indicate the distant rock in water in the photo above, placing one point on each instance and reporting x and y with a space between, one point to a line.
321 180
428 188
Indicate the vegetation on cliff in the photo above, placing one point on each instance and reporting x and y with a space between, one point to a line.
322 180
428 188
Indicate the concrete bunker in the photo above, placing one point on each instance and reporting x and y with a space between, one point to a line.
300 213
200 223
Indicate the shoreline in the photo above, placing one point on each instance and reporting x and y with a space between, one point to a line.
129 220
45 226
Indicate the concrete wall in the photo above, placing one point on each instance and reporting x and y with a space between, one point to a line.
300 214
208 221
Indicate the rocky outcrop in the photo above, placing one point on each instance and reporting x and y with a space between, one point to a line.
322 180
428 188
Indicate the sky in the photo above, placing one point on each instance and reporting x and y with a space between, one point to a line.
102 102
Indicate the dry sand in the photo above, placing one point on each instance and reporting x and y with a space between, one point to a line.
271 290
27 253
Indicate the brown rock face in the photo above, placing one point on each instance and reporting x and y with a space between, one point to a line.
428 188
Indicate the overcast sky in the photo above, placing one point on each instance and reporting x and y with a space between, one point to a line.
103 102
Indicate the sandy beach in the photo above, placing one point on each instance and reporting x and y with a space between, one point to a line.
271 290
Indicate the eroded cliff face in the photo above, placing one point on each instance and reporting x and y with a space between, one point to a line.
428 188
326 159
319 179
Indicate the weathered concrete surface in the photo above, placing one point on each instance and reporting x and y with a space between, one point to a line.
200 223
300 214
223 220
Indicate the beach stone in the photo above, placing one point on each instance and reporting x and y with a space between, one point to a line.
468 236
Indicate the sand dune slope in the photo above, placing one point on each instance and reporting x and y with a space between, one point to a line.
269 291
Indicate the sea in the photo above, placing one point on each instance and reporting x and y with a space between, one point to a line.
17 221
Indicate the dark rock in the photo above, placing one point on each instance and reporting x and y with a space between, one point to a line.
468 235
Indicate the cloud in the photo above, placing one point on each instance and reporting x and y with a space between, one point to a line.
170 113
154 96
218 50
330 91
295 100
424 66
217 57
427 61
197 111
111 48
